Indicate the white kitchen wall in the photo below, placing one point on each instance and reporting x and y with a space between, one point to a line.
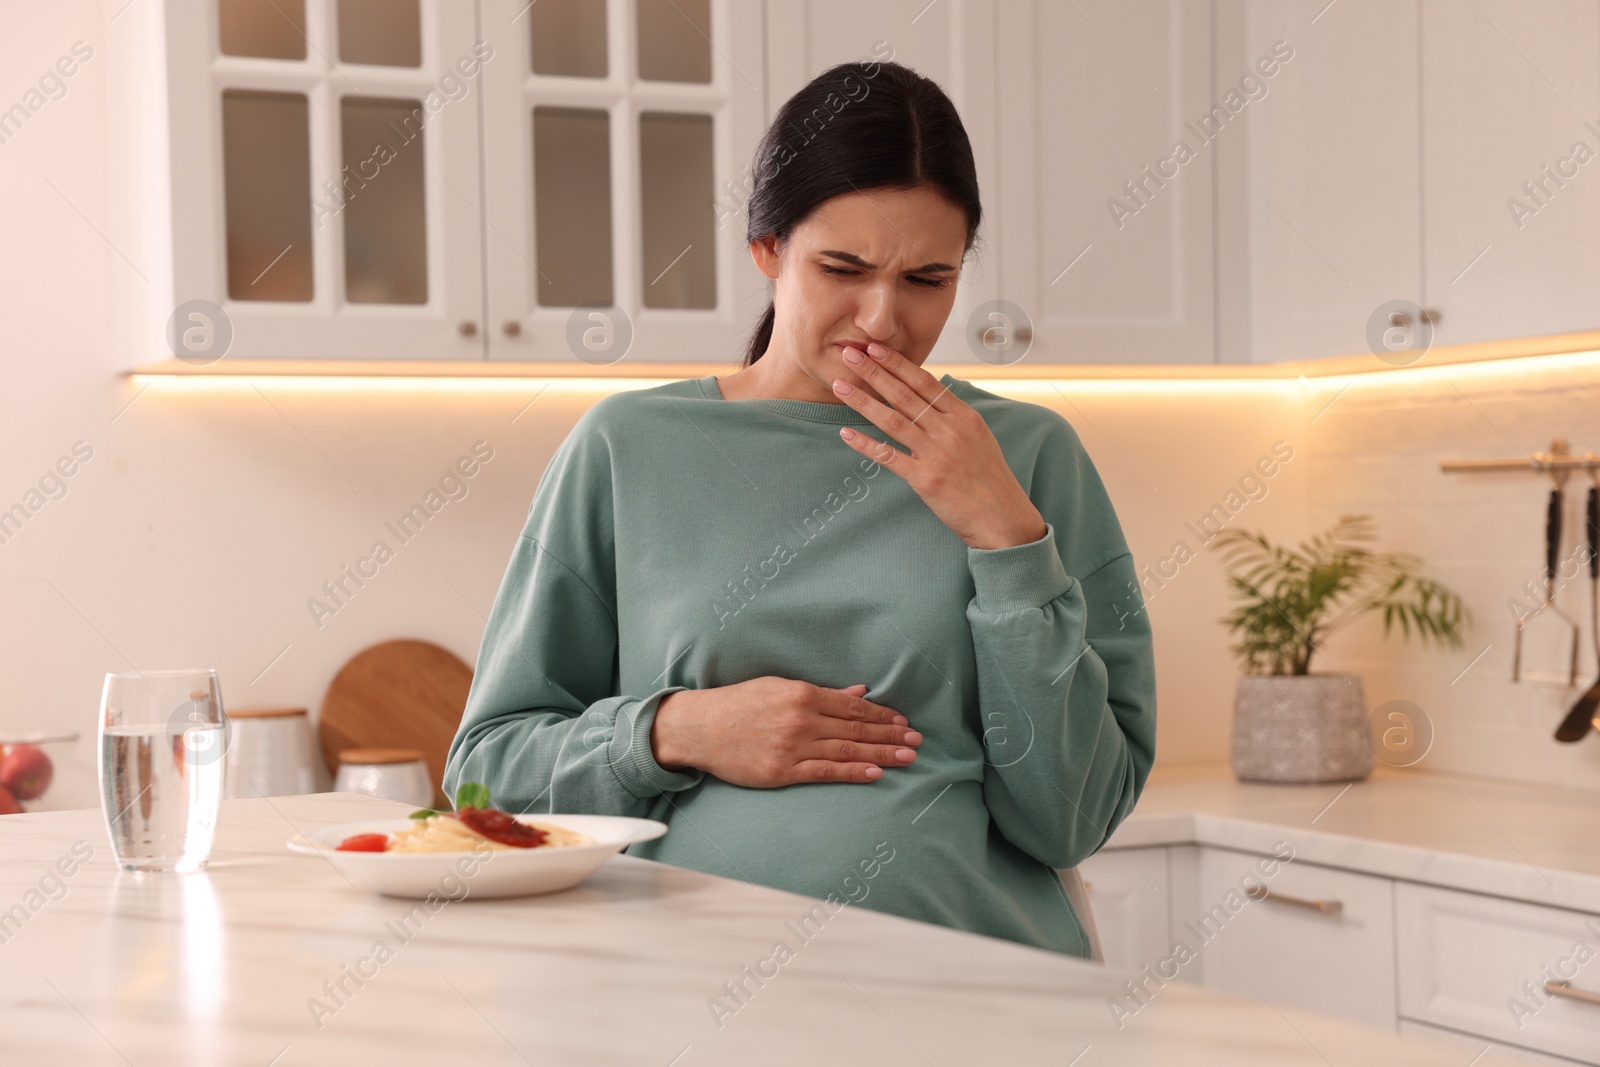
205 520
1377 449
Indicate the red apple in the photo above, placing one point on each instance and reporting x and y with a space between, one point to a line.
26 771
8 803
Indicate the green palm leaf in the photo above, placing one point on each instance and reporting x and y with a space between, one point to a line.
1291 600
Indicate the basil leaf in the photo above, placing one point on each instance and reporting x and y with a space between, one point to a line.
423 813
472 795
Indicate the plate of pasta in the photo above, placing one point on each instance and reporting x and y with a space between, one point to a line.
475 850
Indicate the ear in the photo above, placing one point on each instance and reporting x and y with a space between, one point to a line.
764 251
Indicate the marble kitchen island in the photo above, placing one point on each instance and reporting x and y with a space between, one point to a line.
229 966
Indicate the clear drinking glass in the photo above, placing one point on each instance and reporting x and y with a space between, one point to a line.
162 739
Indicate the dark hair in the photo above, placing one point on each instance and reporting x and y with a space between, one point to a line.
857 126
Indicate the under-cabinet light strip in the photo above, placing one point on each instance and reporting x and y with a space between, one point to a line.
1518 366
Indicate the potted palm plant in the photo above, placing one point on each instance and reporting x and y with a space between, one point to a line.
1290 724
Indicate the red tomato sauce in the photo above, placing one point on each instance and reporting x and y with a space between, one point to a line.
500 826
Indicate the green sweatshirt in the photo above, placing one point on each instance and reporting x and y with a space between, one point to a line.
679 540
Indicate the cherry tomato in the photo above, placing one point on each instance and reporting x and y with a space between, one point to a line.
364 843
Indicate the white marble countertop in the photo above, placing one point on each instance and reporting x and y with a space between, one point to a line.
219 967
1518 841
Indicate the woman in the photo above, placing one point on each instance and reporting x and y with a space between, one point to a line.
914 676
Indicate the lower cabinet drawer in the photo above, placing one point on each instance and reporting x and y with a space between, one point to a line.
1473 1048
1127 890
1294 935
1496 968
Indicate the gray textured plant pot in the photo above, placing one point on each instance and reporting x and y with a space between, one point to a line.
1300 728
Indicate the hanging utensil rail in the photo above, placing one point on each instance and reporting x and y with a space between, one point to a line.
1559 460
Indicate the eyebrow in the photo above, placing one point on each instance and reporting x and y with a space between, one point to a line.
926 268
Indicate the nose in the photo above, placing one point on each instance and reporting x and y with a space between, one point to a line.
877 316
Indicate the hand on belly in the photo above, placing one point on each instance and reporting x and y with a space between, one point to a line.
771 731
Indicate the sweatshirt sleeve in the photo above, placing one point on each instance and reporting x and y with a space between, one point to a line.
544 727
1066 668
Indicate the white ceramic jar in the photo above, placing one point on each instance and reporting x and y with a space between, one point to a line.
270 753
393 773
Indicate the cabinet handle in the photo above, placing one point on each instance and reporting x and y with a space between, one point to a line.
1327 907
511 328
468 328
1566 989
1430 316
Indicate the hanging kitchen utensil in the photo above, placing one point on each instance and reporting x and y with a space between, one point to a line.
1586 712
1554 513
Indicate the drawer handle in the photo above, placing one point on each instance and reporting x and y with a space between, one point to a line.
1566 989
1326 907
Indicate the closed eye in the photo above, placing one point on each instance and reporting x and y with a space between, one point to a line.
929 283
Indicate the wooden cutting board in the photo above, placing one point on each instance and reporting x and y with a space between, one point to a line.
398 694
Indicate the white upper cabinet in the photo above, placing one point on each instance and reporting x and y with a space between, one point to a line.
1106 123
1428 161
618 134
1163 181
949 43
317 156
441 179
1324 176
1511 180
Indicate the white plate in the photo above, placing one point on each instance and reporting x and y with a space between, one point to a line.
487 873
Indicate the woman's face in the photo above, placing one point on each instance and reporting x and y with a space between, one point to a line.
878 265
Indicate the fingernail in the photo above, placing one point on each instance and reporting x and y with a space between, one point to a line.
901 720
913 738
852 355
842 387
877 352
904 755
874 772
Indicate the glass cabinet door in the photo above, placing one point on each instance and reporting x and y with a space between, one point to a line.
618 141
326 171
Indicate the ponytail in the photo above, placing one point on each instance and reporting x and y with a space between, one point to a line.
762 336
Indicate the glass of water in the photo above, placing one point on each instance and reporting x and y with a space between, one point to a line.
162 739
